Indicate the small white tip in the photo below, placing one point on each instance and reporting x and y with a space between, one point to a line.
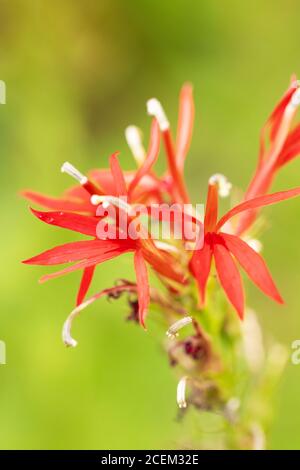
181 392
224 186
66 334
155 109
295 99
120 202
72 171
95 199
172 332
133 137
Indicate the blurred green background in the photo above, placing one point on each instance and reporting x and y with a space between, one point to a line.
76 74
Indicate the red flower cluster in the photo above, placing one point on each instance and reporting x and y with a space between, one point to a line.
222 239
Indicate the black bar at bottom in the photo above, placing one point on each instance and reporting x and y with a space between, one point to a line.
134 459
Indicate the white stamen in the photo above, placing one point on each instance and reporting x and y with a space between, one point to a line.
66 331
172 332
231 409
134 140
66 334
253 341
255 244
295 99
259 437
165 246
155 109
224 186
105 204
72 171
181 391
115 201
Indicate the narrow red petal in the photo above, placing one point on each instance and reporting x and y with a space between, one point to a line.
142 285
211 209
178 184
151 156
253 264
85 283
257 202
185 124
58 203
81 250
229 277
83 264
77 192
272 125
118 175
78 223
291 147
105 179
279 110
200 265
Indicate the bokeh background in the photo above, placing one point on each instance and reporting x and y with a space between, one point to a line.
77 73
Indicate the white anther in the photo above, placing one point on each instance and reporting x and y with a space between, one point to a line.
181 392
172 332
133 137
224 186
66 334
72 171
295 99
259 437
66 331
113 200
155 109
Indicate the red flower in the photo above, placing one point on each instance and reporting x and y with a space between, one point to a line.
88 254
74 210
222 246
284 145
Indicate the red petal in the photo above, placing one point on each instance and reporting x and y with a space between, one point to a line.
58 203
85 283
142 285
273 122
105 179
78 223
178 184
257 202
83 264
253 264
211 209
77 192
200 265
185 123
291 147
118 176
229 277
76 251
151 157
